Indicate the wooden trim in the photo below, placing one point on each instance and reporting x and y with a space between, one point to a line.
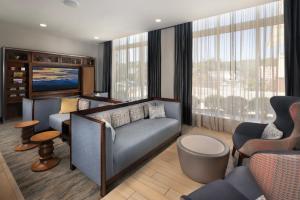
110 107
46 52
57 93
165 99
103 159
106 99
121 105
32 111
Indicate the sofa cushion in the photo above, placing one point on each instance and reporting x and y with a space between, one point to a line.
136 139
56 120
243 181
136 113
120 117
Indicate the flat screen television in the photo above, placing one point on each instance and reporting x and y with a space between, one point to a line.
54 78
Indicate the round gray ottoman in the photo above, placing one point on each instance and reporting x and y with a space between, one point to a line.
202 158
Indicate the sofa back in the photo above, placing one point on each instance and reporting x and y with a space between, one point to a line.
172 109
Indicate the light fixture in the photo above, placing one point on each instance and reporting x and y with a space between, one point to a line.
96 37
43 25
157 20
71 3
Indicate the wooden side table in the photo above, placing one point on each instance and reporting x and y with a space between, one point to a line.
27 132
47 159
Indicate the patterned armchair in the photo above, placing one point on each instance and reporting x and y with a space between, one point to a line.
273 175
247 136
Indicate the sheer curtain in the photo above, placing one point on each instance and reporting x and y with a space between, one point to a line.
238 64
129 68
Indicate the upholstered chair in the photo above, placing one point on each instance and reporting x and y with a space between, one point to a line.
247 136
273 175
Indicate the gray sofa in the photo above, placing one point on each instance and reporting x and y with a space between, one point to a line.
102 158
47 112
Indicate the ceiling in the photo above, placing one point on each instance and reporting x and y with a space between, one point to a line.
110 19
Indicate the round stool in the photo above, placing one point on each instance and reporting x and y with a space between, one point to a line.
202 158
47 159
27 132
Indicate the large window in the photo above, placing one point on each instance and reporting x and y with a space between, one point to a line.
129 68
238 63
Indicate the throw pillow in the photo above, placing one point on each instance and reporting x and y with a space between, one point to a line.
271 132
156 111
136 113
112 130
120 118
83 104
146 110
103 116
262 197
68 105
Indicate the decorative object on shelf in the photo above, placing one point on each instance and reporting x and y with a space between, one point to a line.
27 131
18 74
18 81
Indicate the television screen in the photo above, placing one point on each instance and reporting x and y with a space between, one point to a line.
54 78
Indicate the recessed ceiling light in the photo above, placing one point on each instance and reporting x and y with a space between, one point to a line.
158 20
43 25
96 37
71 3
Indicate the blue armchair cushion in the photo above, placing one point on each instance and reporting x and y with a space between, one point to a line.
243 181
56 120
217 190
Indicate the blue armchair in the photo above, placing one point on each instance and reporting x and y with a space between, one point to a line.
247 136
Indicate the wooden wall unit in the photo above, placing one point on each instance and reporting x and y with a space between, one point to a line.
87 81
17 76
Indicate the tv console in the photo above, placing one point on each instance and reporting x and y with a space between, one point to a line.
17 77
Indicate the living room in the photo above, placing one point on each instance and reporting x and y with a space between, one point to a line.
150 100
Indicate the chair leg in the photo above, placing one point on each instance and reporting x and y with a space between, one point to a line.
240 159
233 151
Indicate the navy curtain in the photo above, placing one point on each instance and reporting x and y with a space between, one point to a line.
292 47
154 63
107 60
183 69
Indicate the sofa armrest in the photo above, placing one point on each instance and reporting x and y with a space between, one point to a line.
42 109
86 147
277 174
172 109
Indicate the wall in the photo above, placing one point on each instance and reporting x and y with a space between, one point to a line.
167 62
12 35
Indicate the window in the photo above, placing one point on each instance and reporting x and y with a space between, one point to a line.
238 63
129 68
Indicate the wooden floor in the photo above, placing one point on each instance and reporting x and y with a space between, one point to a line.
161 178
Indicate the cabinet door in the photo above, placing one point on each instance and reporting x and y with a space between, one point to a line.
88 80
